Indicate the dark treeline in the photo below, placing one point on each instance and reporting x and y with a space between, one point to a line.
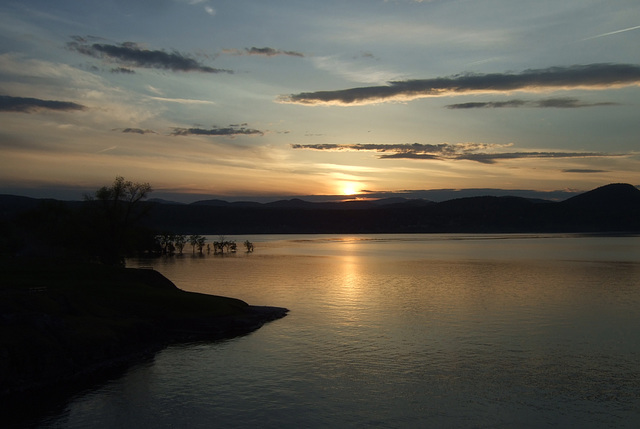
105 227
27 222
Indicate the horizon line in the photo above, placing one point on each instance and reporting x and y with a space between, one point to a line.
435 195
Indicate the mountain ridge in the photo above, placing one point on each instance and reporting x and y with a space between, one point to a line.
610 208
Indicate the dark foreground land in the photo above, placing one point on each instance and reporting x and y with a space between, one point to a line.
61 323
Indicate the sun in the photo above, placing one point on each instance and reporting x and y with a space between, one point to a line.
349 188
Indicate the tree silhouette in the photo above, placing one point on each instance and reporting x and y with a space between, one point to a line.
165 241
180 241
222 244
117 210
193 241
200 243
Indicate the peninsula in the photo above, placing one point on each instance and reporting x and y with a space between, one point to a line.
60 323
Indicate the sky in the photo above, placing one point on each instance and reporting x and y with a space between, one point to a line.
239 99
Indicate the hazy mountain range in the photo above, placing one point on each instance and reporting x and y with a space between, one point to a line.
611 208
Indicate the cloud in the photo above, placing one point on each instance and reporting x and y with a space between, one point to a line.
549 102
492 158
267 52
31 105
570 103
183 100
210 10
590 76
122 70
231 130
447 151
108 149
493 104
356 69
580 170
418 148
613 32
135 131
131 54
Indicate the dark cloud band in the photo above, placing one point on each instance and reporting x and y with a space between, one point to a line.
227 131
267 52
569 103
132 55
136 131
447 151
583 170
30 105
591 76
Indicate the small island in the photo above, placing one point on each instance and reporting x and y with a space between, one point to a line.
63 322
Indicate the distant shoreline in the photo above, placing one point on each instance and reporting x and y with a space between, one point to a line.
610 208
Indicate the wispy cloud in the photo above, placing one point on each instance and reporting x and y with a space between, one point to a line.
108 149
31 105
266 52
205 3
131 54
611 33
183 100
549 102
447 151
591 76
107 106
356 69
230 131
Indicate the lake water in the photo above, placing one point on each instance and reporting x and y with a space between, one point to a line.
459 331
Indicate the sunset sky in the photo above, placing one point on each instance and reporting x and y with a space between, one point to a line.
292 98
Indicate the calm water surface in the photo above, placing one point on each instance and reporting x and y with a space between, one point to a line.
458 331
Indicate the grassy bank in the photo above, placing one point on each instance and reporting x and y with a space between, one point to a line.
61 321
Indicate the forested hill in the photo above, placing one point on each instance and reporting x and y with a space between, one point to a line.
611 208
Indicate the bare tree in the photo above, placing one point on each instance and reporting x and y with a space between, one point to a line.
180 241
193 241
200 243
218 246
119 210
165 241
